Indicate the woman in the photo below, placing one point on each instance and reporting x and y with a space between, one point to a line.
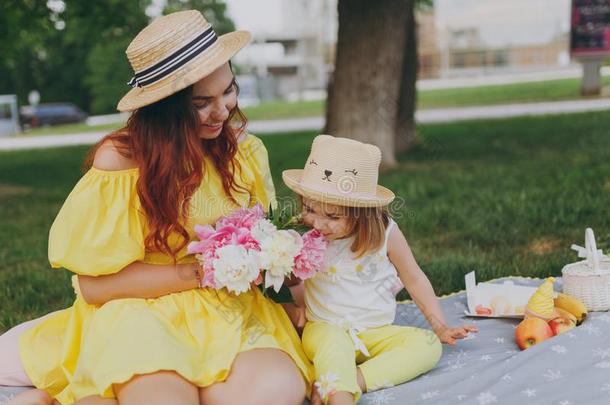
123 231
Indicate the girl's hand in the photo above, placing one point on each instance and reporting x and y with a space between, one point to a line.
296 315
450 335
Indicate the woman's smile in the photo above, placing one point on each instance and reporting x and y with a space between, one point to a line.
213 127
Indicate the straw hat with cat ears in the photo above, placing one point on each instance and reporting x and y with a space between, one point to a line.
340 171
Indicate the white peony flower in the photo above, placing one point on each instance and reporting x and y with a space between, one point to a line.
235 268
277 254
262 230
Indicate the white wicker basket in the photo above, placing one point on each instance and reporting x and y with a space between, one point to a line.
589 279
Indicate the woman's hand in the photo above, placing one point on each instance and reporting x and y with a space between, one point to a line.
450 335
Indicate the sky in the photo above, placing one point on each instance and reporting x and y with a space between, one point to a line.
256 15
507 22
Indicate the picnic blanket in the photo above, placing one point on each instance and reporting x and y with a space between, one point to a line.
488 368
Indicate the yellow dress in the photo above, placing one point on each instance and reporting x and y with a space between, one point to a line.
100 229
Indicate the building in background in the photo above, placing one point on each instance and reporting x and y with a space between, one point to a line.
482 38
292 50
467 55
429 52
293 47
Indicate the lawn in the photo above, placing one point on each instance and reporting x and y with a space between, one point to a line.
550 90
66 129
502 197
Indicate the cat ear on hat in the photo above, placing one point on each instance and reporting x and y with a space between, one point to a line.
373 151
322 138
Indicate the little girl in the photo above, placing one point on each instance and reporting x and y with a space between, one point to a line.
351 305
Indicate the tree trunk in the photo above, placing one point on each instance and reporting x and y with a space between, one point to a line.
407 99
366 91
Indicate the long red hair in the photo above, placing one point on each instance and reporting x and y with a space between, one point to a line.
163 140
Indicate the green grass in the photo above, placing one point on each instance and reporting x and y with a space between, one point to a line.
503 197
67 129
281 109
550 90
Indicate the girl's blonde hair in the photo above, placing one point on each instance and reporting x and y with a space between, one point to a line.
368 226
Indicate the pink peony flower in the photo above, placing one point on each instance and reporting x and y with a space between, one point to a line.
227 235
204 232
231 230
239 230
243 218
208 271
311 258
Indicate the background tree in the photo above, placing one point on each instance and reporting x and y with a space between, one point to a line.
372 93
97 34
26 31
46 45
109 71
74 50
215 11
107 81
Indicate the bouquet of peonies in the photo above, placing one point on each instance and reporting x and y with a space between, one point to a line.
246 248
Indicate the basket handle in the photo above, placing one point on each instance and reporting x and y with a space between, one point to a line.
590 251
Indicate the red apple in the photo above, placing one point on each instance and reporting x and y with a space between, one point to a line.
532 331
559 325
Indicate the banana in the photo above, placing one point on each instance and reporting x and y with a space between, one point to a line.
562 313
572 305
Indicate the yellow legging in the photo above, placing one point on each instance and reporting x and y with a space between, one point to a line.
397 354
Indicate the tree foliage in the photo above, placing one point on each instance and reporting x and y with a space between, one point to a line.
213 10
424 4
74 50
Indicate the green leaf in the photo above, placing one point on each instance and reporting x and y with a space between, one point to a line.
283 296
402 295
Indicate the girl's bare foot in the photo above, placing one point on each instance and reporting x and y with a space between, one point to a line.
341 398
32 397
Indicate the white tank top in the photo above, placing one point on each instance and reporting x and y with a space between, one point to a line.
355 294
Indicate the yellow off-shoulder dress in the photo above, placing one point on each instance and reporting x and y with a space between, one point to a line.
85 349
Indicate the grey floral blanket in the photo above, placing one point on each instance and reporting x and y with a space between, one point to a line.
488 368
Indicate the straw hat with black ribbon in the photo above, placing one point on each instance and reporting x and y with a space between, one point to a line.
340 171
174 52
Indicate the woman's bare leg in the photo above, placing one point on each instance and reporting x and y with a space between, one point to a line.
258 377
12 373
95 400
31 397
40 397
11 369
160 388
